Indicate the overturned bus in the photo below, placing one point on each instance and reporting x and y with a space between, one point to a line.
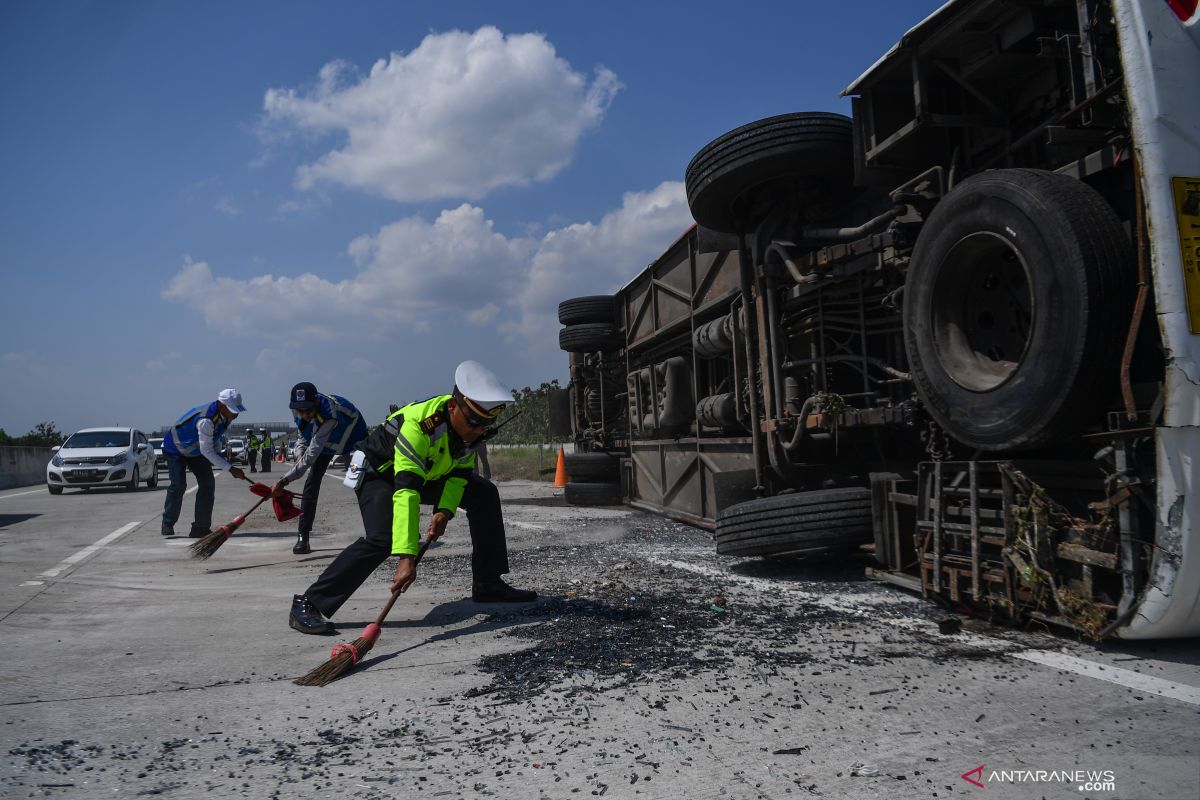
961 327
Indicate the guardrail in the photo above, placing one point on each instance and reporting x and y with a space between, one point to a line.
23 466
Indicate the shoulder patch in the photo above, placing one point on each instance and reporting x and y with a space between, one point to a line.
429 424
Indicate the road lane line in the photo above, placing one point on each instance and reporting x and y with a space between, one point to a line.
18 494
91 549
529 526
1056 660
1122 677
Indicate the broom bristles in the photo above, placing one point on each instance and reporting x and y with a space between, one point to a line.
203 549
336 665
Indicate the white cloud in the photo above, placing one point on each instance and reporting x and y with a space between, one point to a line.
416 275
163 361
460 115
225 206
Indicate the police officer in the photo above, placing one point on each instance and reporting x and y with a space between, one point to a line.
422 454
266 450
329 426
189 446
251 449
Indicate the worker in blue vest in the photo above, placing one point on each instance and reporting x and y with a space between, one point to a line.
422 454
189 446
329 426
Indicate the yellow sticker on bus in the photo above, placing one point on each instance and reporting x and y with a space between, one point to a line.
1187 214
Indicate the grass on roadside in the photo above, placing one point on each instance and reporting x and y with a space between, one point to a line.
522 463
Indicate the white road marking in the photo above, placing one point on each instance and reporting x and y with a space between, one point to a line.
1060 661
1122 677
90 550
18 494
529 526
33 583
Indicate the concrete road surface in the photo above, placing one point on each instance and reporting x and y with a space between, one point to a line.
649 668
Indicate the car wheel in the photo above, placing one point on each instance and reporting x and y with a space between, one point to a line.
153 480
54 489
133 482
827 519
1015 308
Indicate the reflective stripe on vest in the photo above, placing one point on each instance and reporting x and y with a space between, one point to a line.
184 437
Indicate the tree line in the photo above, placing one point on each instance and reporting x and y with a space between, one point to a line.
529 415
44 434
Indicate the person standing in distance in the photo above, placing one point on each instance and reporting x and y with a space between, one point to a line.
329 426
251 449
267 448
422 454
189 446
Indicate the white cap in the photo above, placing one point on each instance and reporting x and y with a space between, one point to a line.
481 388
231 399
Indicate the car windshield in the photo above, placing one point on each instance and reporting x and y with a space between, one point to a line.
155 442
99 439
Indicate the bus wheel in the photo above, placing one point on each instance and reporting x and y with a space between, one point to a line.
808 157
1016 305
801 522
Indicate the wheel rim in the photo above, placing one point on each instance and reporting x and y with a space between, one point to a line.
982 312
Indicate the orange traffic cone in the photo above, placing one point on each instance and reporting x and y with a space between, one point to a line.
560 472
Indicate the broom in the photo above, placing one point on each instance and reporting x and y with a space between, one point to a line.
345 655
204 548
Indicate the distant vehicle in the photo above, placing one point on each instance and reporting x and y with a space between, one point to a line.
235 452
160 460
99 457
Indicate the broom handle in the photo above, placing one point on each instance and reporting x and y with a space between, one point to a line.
261 500
396 595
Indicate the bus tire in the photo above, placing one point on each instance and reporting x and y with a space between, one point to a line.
801 522
1016 306
815 148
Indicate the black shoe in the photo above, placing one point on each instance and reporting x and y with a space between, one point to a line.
301 546
497 591
168 530
306 618
198 533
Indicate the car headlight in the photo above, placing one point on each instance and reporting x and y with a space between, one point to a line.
56 460
119 459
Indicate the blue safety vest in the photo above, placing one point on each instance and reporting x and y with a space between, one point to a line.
349 430
184 440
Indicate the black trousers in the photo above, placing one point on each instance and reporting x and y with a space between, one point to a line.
264 459
252 457
489 549
177 467
312 491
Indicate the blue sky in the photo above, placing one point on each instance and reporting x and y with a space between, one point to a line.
201 195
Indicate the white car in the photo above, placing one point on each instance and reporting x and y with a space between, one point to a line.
160 460
98 457
236 452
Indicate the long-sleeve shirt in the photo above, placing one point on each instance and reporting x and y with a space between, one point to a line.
312 451
427 450
204 431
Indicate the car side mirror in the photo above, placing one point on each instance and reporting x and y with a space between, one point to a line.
56 448
141 448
